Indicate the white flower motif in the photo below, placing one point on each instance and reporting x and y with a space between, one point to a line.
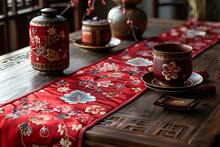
109 67
40 119
2 110
193 33
104 84
37 39
145 53
42 90
139 62
102 113
183 28
151 44
80 72
61 129
63 89
135 80
65 142
126 56
116 74
113 93
174 33
136 89
77 127
170 71
95 109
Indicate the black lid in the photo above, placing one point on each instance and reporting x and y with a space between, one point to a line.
50 12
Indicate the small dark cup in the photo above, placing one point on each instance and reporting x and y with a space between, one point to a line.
172 63
96 32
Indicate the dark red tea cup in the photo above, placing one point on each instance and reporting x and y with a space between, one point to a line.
172 63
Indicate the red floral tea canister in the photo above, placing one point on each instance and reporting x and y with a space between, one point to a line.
49 42
96 32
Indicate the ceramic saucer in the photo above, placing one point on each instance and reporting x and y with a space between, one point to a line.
113 43
153 83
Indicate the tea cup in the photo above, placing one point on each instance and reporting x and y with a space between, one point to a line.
172 63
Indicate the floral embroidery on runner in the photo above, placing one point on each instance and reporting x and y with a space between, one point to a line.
56 114
77 96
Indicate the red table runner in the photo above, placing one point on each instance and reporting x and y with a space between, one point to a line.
59 113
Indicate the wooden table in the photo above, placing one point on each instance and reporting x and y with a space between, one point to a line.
140 123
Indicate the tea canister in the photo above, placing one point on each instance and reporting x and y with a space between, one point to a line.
96 32
49 42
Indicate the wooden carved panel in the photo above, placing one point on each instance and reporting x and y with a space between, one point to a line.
172 130
138 125
178 126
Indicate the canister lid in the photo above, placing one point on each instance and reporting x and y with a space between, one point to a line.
49 18
50 12
95 21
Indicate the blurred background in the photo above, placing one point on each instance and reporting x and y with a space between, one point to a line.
15 16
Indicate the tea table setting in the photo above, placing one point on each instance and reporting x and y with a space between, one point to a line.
162 90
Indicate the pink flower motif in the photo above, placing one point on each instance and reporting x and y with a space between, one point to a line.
95 109
116 74
112 94
62 34
127 56
104 84
109 67
170 71
40 119
84 118
63 109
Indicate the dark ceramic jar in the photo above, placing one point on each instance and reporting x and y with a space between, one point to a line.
96 32
49 42
120 28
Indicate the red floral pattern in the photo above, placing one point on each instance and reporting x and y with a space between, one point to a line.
49 47
59 113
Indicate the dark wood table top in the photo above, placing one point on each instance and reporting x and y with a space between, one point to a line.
140 123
